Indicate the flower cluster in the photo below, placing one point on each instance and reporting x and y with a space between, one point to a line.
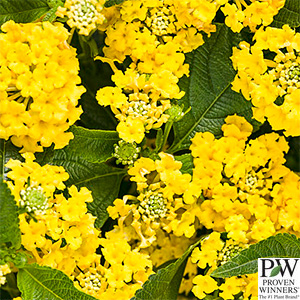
84 15
39 89
58 231
123 272
139 101
255 14
243 184
155 35
273 86
159 204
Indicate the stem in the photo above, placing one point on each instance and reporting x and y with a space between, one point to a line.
168 128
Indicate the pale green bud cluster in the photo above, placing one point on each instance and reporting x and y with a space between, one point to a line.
126 153
230 251
33 199
154 206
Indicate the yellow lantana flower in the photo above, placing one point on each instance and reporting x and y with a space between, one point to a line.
58 231
254 14
39 85
273 86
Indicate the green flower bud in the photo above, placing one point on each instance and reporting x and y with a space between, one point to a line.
154 206
33 199
20 260
126 153
176 112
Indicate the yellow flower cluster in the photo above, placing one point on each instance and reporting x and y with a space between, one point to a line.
155 32
159 204
123 272
139 101
273 86
155 35
214 252
60 233
254 14
39 89
85 15
244 186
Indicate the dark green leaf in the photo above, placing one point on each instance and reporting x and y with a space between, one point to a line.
280 245
164 285
94 115
159 139
187 163
289 14
10 234
208 90
93 145
103 180
22 11
7 151
275 271
37 283
109 3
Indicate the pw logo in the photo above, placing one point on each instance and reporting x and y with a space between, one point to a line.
282 266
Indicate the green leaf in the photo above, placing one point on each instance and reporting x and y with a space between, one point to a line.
187 163
275 271
289 14
164 285
109 3
36 282
10 235
103 180
208 90
22 11
280 245
7 151
159 139
94 115
94 145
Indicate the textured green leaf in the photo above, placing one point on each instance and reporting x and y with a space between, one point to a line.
10 234
275 271
109 3
22 11
103 180
208 90
37 283
280 245
289 14
164 285
98 145
187 163
159 140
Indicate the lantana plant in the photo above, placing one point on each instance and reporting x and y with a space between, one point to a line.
147 146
